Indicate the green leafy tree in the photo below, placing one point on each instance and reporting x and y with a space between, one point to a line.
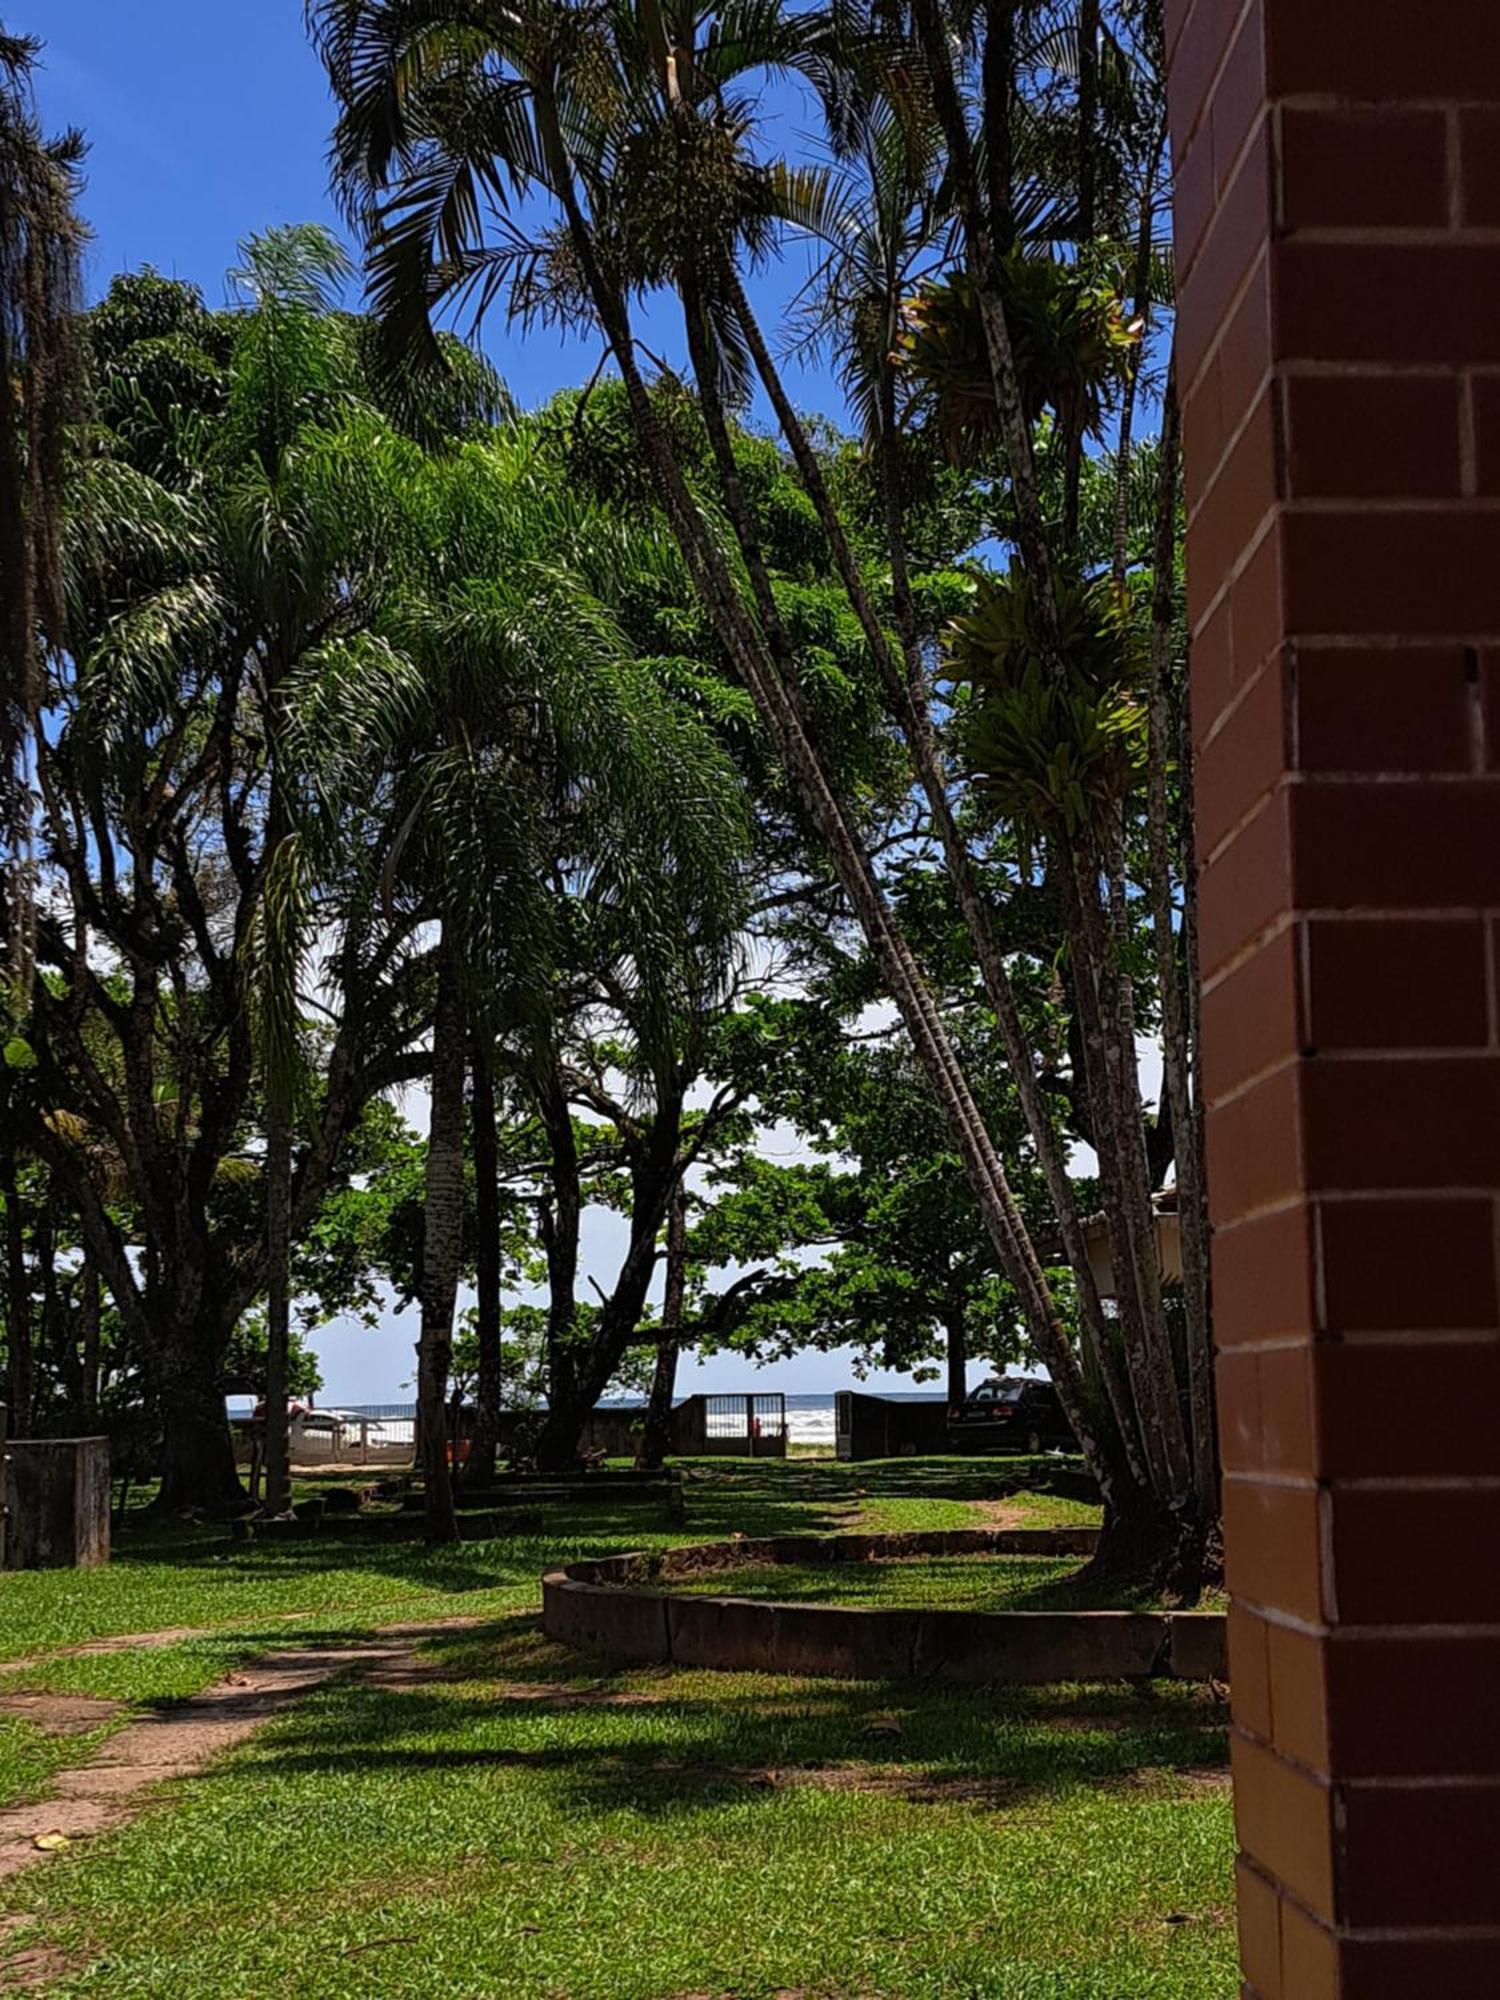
639 128
215 556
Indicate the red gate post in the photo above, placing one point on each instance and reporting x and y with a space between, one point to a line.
1338 246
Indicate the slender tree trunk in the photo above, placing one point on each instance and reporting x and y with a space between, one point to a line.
1125 442
654 1175
1088 114
1135 1248
1016 1247
480 1470
656 1436
278 1471
957 1357
1120 1139
18 1328
562 1221
89 1308
1031 532
1173 974
999 82
442 1234
909 702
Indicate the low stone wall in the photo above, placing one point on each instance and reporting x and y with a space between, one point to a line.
612 1607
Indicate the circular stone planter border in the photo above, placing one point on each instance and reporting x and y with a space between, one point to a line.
612 1607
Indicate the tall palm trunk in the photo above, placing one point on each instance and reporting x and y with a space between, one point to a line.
956 1356
1115 1080
785 724
480 1469
41 243
999 106
278 1498
1176 975
1088 107
561 1224
442 1237
908 698
656 1434
1125 440
278 1020
1031 531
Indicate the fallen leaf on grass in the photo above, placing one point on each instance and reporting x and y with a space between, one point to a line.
51 1843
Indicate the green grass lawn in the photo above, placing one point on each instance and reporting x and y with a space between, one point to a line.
30 1758
948 1583
518 1824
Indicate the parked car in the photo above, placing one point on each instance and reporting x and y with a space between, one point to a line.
1010 1413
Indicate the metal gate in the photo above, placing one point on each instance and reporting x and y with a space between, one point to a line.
745 1426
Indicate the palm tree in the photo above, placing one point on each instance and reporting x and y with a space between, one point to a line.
41 238
630 126
437 102
281 550
526 744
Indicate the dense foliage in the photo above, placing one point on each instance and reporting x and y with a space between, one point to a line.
633 778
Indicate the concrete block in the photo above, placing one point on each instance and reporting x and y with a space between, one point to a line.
980 1647
626 1625
847 1644
729 1634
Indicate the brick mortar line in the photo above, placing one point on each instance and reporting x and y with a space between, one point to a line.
1262 124
1361 1632
1210 88
1386 1054
1236 570
1393 236
1316 1339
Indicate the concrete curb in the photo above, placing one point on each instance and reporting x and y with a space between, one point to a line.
611 1607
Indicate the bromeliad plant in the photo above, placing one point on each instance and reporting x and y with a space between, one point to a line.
1072 337
1057 754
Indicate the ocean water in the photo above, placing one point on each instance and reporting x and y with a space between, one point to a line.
809 1419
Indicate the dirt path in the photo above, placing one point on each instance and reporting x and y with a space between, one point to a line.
109 1790
143 1642
103 1793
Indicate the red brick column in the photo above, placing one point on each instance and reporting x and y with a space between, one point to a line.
1338 240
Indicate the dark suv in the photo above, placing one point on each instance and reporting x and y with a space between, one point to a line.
1015 1414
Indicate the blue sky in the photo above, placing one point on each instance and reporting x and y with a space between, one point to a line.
207 120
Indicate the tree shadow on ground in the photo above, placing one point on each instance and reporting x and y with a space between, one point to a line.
666 1745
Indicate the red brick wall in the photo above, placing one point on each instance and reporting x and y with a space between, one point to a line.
1338 244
